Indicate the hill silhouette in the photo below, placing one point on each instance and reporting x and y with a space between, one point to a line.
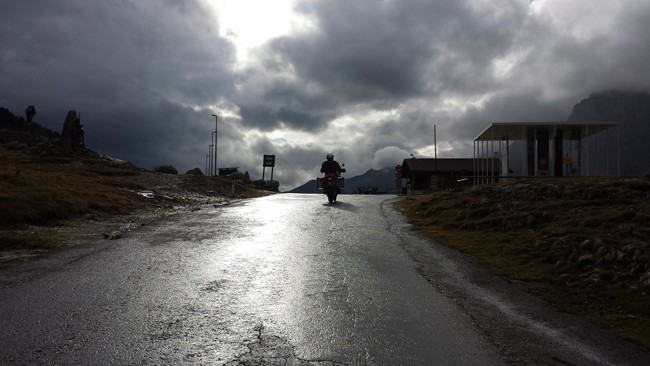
382 179
631 110
15 129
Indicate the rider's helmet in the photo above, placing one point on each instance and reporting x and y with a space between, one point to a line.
330 156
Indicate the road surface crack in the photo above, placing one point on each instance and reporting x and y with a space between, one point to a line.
268 349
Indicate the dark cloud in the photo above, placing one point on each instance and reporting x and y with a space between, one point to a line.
132 70
285 104
360 52
396 50
365 79
379 55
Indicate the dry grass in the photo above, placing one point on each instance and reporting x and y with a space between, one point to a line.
38 192
533 233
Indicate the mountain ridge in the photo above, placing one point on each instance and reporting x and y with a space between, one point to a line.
383 179
631 111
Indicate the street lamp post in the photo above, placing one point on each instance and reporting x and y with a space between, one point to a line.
213 162
211 148
207 159
215 143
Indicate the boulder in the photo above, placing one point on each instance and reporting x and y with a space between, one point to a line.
272 185
645 279
586 260
586 245
72 133
240 176
267 185
166 169
30 112
195 171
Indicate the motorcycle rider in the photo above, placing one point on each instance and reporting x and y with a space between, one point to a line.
330 165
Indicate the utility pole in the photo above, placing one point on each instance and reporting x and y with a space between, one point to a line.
435 149
215 143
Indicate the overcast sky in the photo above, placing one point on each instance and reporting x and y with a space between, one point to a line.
364 79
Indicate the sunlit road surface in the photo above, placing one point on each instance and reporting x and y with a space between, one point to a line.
282 280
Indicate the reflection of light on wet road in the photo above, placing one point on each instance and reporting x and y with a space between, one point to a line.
329 278
286 277
257 258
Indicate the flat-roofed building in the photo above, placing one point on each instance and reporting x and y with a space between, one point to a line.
539 149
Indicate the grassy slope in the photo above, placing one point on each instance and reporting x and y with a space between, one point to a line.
40 190
37 190
534 234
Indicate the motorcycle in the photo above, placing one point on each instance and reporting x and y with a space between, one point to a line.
331 184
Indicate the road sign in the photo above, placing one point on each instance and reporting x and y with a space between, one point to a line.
269 160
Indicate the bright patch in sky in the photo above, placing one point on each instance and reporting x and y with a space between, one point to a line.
250 23
580 18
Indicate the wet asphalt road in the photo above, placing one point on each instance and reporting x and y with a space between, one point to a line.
282 280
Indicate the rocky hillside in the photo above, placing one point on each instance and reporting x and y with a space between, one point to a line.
631 109
18 133
582 244
53 197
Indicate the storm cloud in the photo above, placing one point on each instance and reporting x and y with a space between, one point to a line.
364 79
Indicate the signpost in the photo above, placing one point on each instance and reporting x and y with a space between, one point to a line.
398 178
269 161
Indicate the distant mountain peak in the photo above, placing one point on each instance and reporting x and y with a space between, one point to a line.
383 179
613 106
631 111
